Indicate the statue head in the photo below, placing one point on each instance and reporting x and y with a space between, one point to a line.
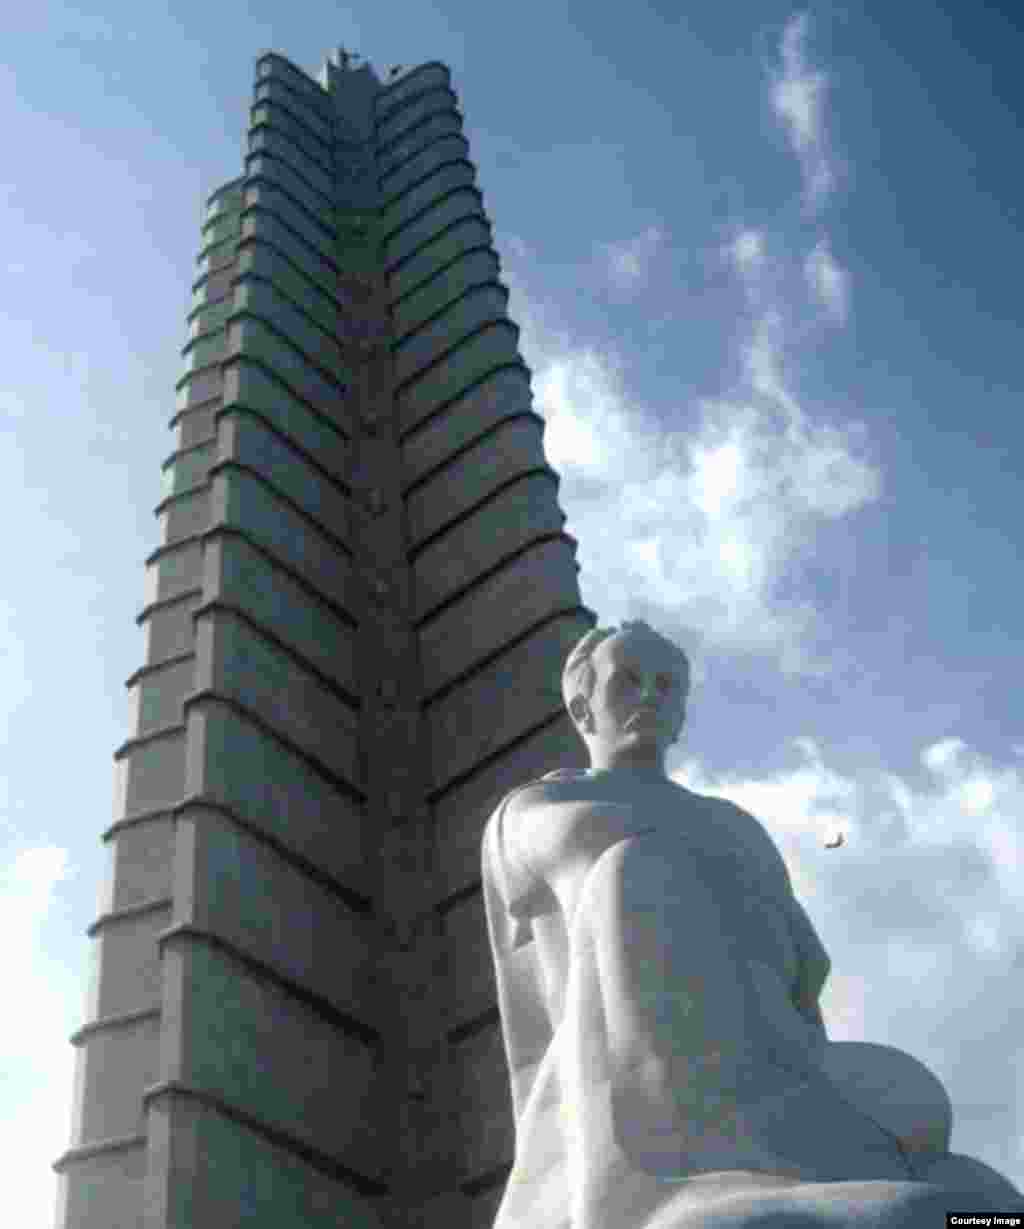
625 689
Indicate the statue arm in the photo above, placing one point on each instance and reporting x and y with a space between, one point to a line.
812 1014
529 893
551 834
814 968
814 963
520 813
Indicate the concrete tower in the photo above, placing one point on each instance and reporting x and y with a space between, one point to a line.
355 630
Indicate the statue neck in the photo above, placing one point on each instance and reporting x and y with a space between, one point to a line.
627 773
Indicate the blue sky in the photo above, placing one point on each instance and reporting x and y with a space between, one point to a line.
766 264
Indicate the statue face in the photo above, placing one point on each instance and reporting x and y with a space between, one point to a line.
638 704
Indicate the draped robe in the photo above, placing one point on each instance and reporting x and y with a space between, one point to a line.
658 984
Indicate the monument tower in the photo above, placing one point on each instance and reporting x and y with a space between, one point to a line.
355 629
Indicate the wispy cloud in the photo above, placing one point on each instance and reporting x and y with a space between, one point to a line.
709 523
826 471
746 253
627 263
763 360
829 282
798 98
705 524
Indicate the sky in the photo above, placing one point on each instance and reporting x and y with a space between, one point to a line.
766 262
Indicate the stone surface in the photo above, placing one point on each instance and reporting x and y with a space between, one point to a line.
289 1042
659 985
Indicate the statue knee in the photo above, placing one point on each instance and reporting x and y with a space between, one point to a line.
954 1170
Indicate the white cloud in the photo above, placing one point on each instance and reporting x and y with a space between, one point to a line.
936 902
942 757
705 523
820 469
34 1029
798 96
764 363
977 803
829 282
627 264
977 795
985 933
747 252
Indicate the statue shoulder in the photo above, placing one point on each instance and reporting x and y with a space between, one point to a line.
564 774
754 835
538 789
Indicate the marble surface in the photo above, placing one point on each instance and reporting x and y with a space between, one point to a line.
659 989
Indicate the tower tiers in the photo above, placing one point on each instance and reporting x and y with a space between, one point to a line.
355 629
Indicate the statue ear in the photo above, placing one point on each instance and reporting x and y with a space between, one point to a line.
578 708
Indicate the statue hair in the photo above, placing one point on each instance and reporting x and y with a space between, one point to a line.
579 677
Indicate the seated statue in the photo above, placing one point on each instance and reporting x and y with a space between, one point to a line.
659 989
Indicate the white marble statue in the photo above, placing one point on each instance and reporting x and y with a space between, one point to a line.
658 984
